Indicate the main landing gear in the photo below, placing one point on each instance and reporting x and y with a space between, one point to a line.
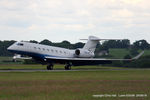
68 67
50 67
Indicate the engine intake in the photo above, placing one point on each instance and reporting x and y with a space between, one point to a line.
77 52
81 53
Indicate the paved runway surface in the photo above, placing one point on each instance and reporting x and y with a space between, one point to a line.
60 70
27 70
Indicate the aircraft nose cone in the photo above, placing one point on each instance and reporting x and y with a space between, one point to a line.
9 48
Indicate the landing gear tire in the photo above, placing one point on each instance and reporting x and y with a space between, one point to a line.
50 67
68 67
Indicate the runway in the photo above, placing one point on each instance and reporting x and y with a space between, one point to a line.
62 70
31 70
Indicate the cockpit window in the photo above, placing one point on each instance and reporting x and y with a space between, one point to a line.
20 44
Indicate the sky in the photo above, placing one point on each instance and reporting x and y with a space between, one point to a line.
58 20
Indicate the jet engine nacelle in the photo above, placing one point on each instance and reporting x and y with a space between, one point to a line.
81 53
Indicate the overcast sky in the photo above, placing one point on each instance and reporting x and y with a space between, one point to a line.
71 20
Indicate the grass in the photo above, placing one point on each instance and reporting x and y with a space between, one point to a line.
146 52
74 85
5 58
118 53
21 66
56 66
8 60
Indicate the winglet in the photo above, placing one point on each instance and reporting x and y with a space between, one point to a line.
138 56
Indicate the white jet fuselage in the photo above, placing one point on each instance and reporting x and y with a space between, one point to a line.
39 50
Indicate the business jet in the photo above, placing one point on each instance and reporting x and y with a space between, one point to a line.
49 54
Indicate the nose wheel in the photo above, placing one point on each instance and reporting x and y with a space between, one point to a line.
50 67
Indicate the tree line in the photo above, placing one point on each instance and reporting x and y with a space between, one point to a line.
106 45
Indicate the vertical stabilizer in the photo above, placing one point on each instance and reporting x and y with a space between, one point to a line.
91 43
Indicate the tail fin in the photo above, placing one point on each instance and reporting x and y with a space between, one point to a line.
91 43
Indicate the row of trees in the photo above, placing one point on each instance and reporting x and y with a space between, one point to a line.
141 44
3 48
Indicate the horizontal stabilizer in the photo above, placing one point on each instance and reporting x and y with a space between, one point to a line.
102 39
93 38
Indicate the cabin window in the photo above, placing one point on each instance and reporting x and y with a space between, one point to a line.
52 50
64 52
47 49
34 47
43 49
60 51
39 48
20 44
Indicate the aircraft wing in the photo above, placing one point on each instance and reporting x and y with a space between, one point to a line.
87 61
